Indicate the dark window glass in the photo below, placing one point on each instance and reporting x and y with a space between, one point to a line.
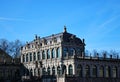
58 52
70 70
48 54
43 55
53 53
34 56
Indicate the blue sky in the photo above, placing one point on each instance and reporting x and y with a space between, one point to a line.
97 21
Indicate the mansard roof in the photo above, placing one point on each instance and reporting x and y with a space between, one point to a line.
64 36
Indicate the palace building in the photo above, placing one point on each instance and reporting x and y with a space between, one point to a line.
63 55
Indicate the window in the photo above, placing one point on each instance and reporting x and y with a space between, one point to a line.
48 54
79 52
58 52
114 70
53 53
101 71
38 55
58 70
43 71
72 51
70 70
26 57
31 72
63 69
94 71
48 70
34 56
53 70
43 54
107 71
87 71
23 58
30 56
79 70
38 71
65 51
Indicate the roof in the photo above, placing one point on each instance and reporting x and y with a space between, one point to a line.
65 36
4 56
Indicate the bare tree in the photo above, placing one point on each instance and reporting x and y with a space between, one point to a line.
15 48
95 53
87 53
4 45
12 48
114 53
104 53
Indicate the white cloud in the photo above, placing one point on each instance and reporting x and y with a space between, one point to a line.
13 19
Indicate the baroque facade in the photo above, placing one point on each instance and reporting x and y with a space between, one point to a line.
64 54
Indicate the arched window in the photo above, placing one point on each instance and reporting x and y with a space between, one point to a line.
58 52
38 53
53 70
38 72
108 71
101 71
44 71
87 71
30 56
94 71
31 72
48 54
63 69
43 54
53 53
23 58
79 52
114 71
70 70
34 56
58 70
79 70
48 70
65 52
72 51
26 57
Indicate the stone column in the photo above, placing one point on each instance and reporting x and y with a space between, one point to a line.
91 71
33 71
83 71
36 71
36 56
67 69
50 70
50 53
32 57
28 57
111 70
55 52
45 54
55 70
40 54
98 71
73 65
25 57
104 74
61 52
